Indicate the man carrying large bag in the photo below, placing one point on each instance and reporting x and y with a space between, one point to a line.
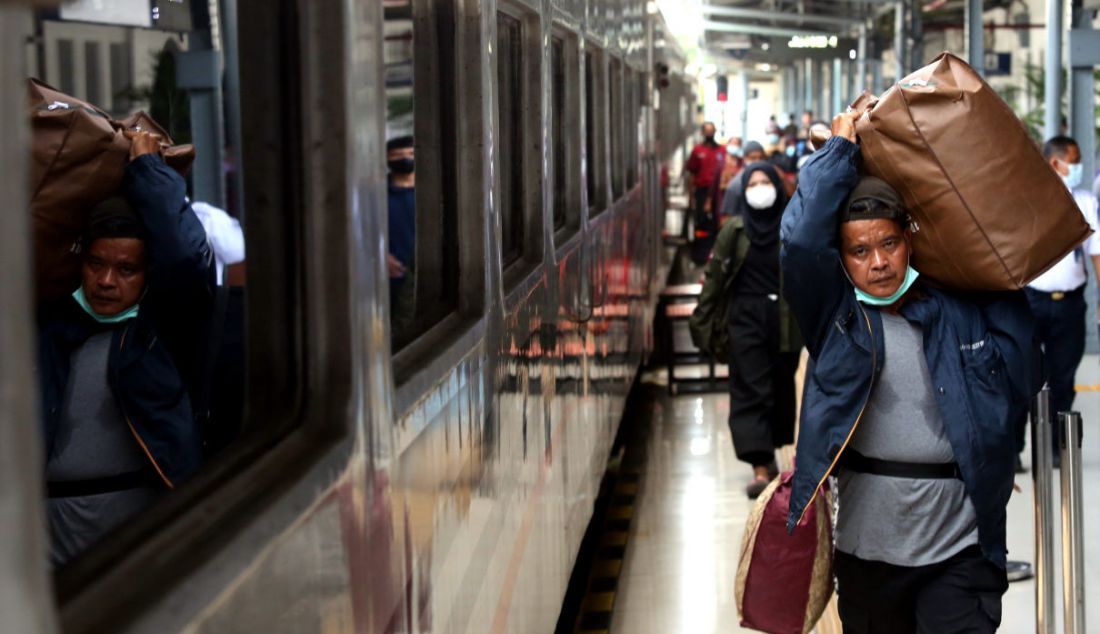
911 393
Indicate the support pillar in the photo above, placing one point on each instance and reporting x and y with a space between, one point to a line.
819 89
1052 99
838 87
743 99
861 61
900 40
1082 103
808 93
198 71
975 42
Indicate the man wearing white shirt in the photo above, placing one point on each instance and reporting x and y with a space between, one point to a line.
224 234
1057 297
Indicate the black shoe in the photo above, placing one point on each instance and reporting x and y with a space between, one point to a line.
756 487
1019 468
1018 570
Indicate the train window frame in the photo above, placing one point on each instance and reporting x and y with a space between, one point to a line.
441 137
616 69
298 363
595 140
529 153
568 139
634 102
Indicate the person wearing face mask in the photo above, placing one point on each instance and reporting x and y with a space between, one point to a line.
763 341
732 201
910 399
402 231
120 362
1057 297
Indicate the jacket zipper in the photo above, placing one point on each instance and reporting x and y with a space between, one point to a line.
133 430
866 402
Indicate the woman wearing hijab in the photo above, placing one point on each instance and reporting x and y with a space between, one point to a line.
763 340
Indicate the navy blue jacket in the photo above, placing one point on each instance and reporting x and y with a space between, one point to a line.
980 350
156 359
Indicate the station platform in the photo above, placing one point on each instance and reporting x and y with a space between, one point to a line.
689 511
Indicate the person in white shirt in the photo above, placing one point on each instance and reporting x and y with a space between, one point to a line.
224 234
1057 297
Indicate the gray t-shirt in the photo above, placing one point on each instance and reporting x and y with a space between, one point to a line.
92 441
903 521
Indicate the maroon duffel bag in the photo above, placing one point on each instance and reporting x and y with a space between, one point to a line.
784 581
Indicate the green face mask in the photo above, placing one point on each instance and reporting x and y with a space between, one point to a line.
129 313
911 276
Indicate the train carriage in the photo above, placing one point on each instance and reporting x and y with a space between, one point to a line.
434 479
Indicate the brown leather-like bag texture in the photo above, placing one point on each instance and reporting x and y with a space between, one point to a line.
989 213
78 157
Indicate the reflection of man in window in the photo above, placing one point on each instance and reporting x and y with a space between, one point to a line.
402 219
117 360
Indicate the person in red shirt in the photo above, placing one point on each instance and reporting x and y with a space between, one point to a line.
704 168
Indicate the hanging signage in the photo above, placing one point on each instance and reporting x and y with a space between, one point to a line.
813 41
116 12
167 15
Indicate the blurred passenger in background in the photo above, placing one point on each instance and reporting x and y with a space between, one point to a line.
121 360
401 258
791 129
764 343
807 121
732 204
732 166
1057 297
704 168
224 234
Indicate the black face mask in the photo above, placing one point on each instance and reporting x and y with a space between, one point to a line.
401 166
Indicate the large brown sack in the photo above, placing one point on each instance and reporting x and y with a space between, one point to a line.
78 157
989 212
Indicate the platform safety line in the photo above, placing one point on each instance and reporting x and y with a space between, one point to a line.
603 580
1095 387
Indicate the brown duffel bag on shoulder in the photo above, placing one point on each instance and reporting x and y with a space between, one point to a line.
989 213
78 157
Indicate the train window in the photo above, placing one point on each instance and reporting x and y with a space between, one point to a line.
510 135
615 85
633 98
422 257
557 130
565 120
151 270
594 164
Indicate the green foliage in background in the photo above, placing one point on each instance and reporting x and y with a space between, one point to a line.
1035 81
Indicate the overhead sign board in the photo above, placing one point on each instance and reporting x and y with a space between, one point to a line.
167 15
116 12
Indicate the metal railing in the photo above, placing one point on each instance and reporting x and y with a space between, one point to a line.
1072 524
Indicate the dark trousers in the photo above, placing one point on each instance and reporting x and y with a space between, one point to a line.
1060 327
959 596
706 228
762 391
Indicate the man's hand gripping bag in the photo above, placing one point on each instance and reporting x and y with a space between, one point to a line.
989 213
784 581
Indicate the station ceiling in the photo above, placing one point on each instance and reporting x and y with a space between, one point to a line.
741 32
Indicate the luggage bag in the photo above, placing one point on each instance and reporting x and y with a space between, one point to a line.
784 581
988 211
78 158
